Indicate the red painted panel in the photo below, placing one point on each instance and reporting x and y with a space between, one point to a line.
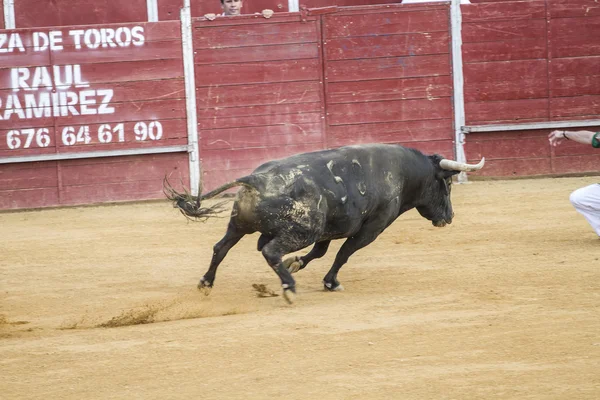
387 68
506 80
261 120
389 89
387 111
120 178
256 53
530 110
250 158
505 50
577 164
390 132
23 199
261 136
30 176
499 10
124 135
516 167
345 3
583 107
29 13
575 85
387 23
32 140
208 35
256 94
573 8
257 72
387 46
575 37
511 30
2 25
251 111
100 73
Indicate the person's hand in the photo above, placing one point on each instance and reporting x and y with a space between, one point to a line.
555 137
267 13
210 17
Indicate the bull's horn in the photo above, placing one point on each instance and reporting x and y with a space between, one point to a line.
458 166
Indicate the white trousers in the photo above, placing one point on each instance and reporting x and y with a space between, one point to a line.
587 201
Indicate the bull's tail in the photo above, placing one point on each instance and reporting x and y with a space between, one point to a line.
189 205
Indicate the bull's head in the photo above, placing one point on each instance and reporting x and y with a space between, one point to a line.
437 206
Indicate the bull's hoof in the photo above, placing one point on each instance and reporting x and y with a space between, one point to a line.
204 286
333 287
289 293
292 264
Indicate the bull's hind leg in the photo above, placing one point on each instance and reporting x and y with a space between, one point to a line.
273 252
295 264
220 250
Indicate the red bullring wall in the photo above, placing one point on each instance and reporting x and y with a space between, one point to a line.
296 82
71 100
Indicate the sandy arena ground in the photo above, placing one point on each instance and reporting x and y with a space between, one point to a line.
101 303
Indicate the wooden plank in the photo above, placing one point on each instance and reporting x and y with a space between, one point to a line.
584 66
507 84
112 72
573 8
255 94
258 72
577 164
528 110
513 168
569 86
389 89
261 136
33 141
390 132
29 176
256 53
582 107
260 120
506 50
24 199
502 31
120 136
387 111
575 37
206 36
498 11
387 68
259 110
387 23
250 158
387 46
28 13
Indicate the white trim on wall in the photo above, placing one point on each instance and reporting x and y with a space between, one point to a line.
9 14
293 6
152 7
190 96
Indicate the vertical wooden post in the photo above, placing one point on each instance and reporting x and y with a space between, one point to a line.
190 97
458 83
9 14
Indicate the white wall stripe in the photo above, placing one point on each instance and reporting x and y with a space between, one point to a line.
9 14
293 6
458 83
190 96
152 7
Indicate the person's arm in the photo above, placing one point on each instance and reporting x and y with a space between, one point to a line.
583 137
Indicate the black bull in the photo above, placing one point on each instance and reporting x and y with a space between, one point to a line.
352 192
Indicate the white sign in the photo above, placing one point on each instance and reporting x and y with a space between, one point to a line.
62 90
